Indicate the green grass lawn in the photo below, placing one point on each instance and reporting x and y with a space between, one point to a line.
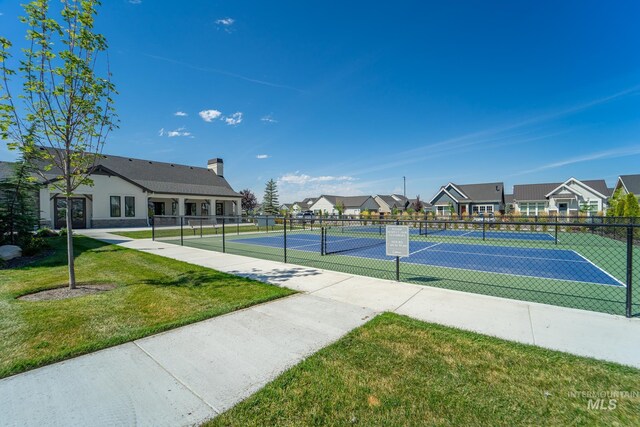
399 371
153 294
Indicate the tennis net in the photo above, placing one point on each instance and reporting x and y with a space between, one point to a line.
338 240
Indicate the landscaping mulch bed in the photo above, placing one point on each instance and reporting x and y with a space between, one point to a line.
65 293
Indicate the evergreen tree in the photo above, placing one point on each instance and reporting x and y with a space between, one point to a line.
18 202
631 206
620 207
613 202
270 204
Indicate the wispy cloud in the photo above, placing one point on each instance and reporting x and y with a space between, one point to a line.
178 132
608 154
161 132
302 179
268 119
135 1
180 114
262 156
225 24
223 72
209 115
296 185
234 119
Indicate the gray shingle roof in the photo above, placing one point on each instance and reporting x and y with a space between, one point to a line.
631 183
533 192
508 198
6 169
394 200
348 201
168 178
538 192
487 192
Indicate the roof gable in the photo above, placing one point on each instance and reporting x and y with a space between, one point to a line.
631 183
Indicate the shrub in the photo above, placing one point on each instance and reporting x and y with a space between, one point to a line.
46 232
32 245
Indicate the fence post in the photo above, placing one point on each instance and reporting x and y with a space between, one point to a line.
201 227
629 305
397 260
181 231
556 232
284 223
153 229
224 238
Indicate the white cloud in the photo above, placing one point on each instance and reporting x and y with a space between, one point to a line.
209 115
180 114
178 132
135 1
234 119
225 22
262 156
302 179
268 119
161 132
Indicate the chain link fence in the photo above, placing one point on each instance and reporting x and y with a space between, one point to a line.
588 263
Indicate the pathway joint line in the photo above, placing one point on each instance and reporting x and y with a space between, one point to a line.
217 412
533 335
408 299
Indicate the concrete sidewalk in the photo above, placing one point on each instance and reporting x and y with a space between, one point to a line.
186 375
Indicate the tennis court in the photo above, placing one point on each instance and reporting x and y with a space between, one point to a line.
558 264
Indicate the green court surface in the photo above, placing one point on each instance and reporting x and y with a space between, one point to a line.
606 254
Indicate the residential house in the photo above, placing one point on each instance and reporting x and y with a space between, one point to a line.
426 207
304 205
628 184
565 198
353 205
286 207
469 198
390 203
508 204
127 191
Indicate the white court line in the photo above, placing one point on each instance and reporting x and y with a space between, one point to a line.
424 249
516 256
604 271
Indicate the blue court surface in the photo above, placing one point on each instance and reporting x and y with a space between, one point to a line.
472 234
559 264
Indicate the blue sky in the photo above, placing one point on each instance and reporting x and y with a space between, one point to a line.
349 97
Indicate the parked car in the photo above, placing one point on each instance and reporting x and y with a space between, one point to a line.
305 215
484 217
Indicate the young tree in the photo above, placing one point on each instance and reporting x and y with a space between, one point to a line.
612 210
631 206
17 202
66 111
340 207
249 200
270 204
418 205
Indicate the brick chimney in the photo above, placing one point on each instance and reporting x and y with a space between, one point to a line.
216 166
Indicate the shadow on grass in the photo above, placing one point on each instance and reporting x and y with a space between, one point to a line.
192 279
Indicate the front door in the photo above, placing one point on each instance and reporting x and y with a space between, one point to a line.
78 212
562 209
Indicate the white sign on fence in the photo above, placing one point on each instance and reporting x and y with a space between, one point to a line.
397 239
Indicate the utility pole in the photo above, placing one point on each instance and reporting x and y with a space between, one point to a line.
404 186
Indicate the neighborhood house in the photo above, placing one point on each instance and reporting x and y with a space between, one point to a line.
565 199
127 191
469 199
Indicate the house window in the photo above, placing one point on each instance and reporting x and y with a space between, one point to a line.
190 209
129 206
482 208
174 208
115 207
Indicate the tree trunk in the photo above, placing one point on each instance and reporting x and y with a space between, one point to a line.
70 260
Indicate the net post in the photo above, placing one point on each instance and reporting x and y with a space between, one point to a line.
556 232
322 240
629 299
224 238
181 231
284 223
484 228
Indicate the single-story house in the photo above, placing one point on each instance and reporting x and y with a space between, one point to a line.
391 202
628 184
426 207
286 207
127 191
304 205
353 205
469 199
565 198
